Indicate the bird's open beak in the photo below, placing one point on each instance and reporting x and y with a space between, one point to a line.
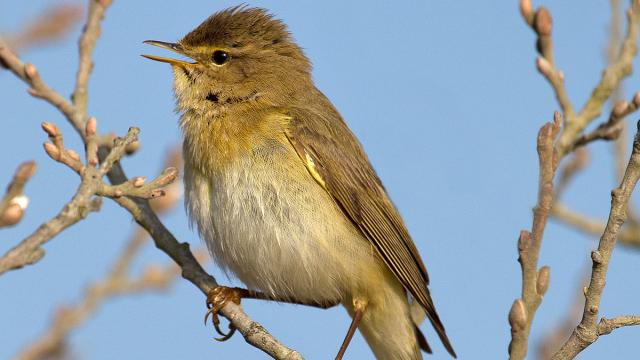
177 48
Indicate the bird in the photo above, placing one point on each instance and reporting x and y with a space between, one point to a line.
283 193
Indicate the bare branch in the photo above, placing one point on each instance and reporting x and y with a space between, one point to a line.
611 78
39 89
612 128
118 150
535 282
541 23
587 331
29 250
606 326
86 44
136 187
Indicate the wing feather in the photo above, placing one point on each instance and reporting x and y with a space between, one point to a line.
337 161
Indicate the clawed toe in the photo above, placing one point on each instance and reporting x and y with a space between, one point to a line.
217 298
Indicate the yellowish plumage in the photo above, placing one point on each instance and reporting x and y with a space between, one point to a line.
280 189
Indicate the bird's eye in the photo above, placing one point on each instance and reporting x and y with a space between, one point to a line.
220 57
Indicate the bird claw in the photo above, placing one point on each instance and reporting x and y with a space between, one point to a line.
217 298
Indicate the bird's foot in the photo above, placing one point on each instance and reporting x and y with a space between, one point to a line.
217 298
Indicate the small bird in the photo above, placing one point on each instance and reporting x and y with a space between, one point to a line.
282 192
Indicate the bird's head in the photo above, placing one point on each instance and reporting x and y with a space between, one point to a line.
236 56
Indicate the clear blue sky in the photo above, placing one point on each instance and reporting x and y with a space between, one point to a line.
444 96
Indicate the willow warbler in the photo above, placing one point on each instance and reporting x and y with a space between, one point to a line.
281 190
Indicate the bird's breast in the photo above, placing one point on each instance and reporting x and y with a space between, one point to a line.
268 221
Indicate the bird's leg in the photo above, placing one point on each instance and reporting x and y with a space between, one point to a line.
218 297
251 294
359 308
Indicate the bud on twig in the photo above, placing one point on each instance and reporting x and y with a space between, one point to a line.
168 176
526 10
132 148
11 215
50 129
72 154
542 281
636 99
31 71
543 22
52 151
524 241
91 127
620 108
138 181
518 316
544 66
26 170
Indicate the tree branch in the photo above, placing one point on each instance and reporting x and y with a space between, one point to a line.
86 44
587 331
612 128
29 250
617 70
541 23
606 326
534 282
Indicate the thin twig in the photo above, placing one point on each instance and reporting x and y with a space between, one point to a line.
535 282
29 250
39 88
628 236
87 42
612 128
587 331
610 80
541 23
606 326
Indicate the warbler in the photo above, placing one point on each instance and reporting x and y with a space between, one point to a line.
282 192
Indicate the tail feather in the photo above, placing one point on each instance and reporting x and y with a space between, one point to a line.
418 314
439 327
422 341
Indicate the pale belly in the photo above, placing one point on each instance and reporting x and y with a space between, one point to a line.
277 230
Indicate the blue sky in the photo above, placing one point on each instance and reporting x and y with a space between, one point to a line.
444 96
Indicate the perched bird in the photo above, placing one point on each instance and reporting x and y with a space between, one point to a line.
281 190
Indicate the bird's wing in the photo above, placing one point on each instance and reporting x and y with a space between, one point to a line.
337 161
